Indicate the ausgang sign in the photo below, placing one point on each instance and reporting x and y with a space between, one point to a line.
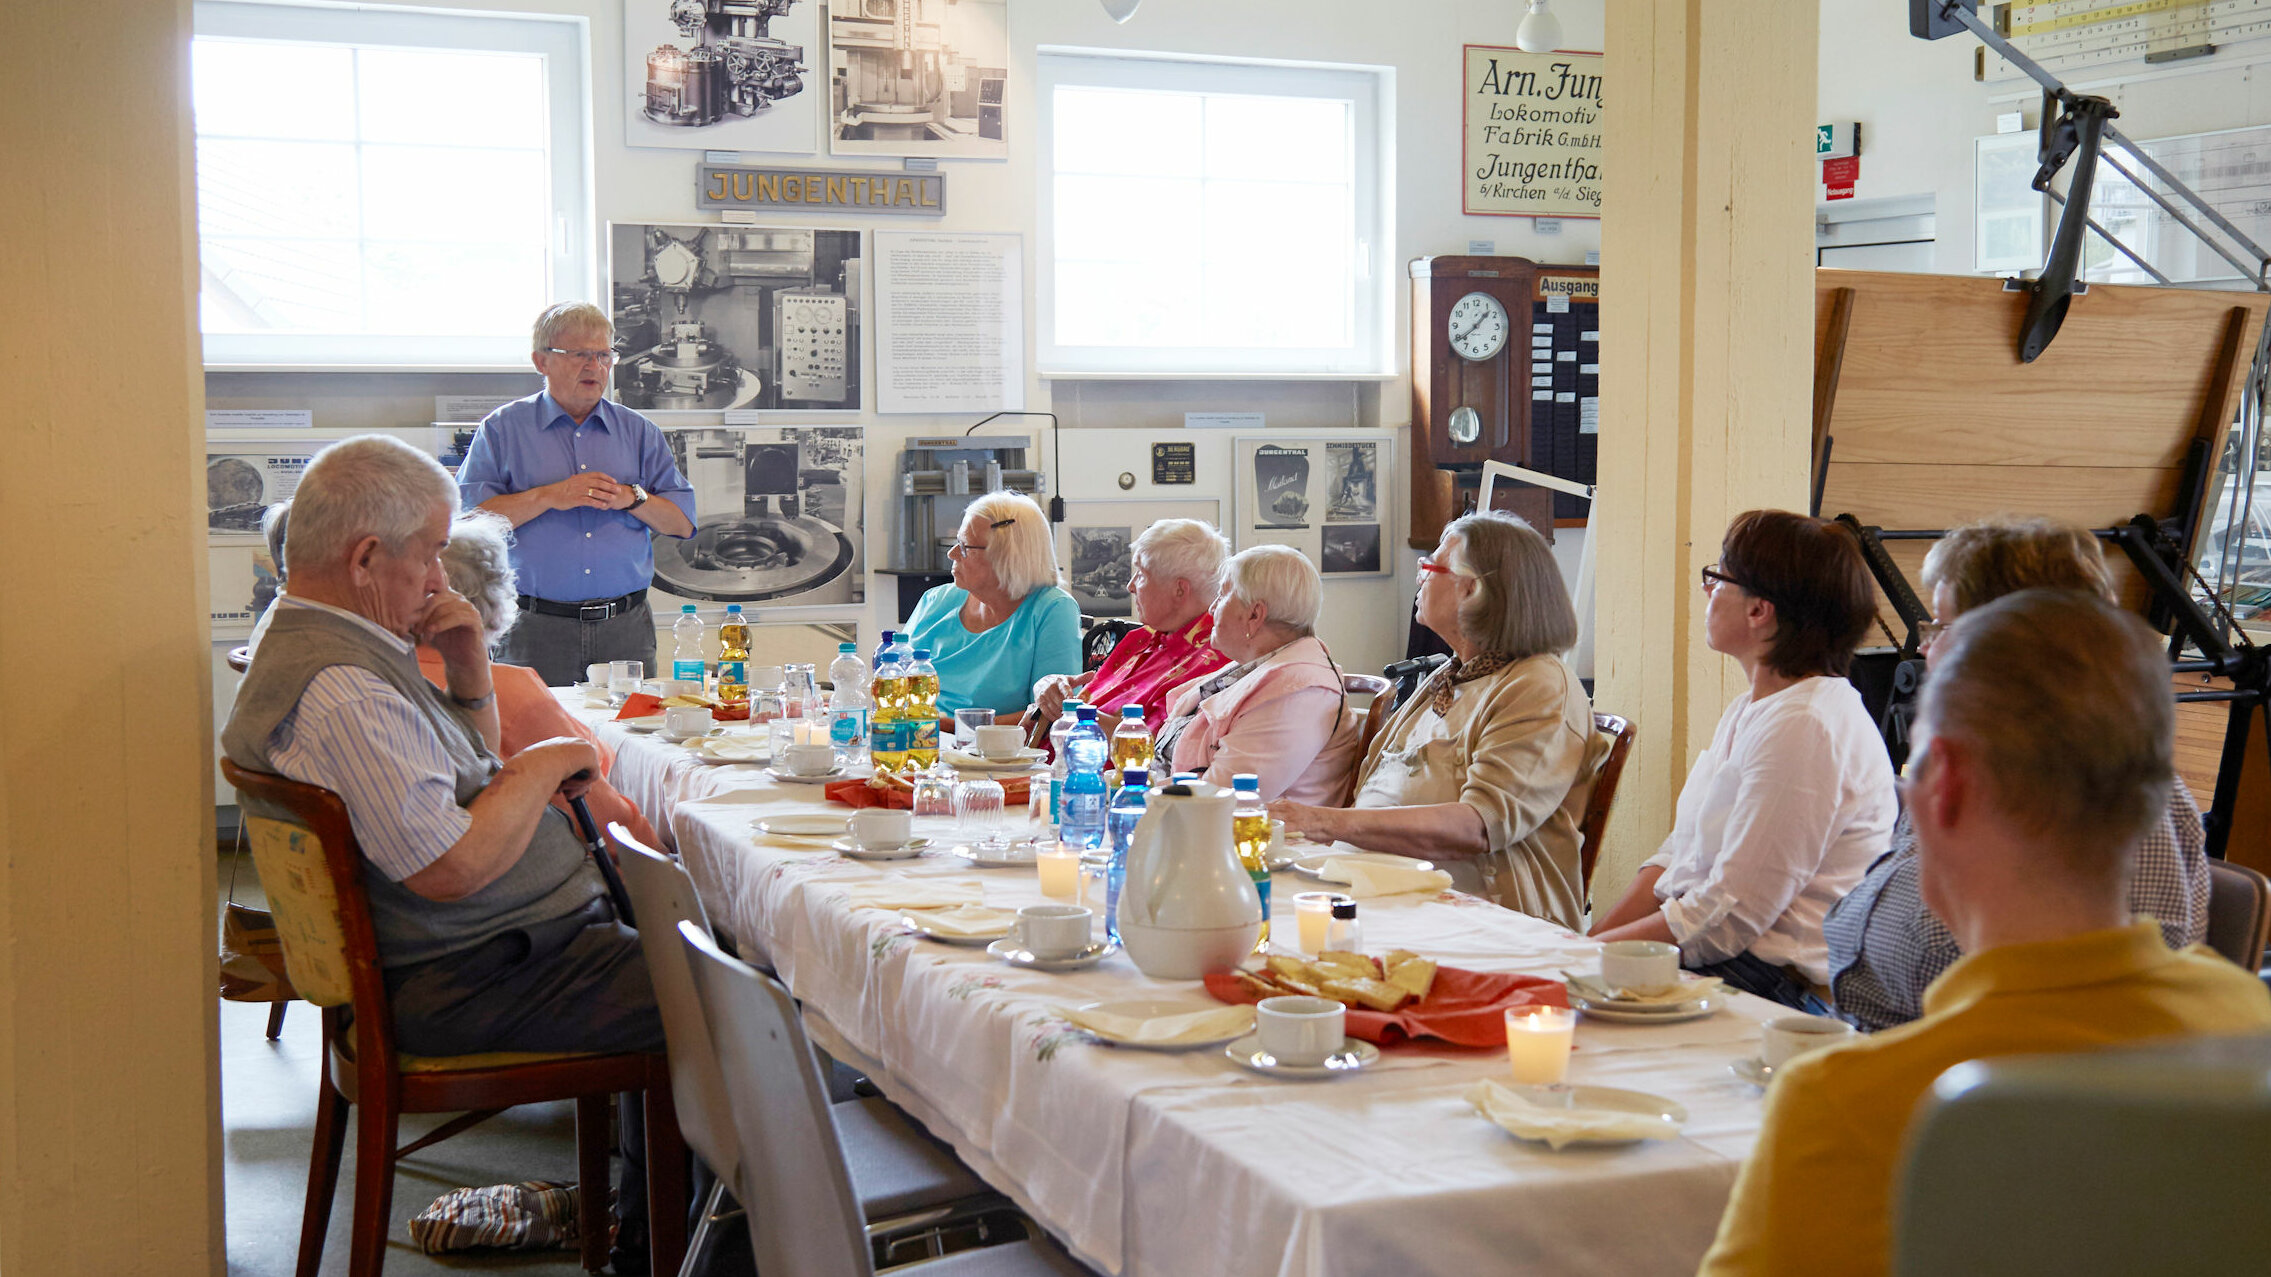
1533 133
722 186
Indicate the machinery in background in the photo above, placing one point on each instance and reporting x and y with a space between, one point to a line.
900 78
736 66
938 476
776 508
705 293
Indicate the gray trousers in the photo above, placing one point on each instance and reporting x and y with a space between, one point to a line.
559 647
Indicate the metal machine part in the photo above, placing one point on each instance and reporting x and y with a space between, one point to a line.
687 370
736 66
938 478
810 331
770 548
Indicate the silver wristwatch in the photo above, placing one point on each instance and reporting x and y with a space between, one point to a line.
638 497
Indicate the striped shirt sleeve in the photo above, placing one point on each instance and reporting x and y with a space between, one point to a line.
359 738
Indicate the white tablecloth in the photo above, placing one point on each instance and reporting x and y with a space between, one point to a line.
1148 1163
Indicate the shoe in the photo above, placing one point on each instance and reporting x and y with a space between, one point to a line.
628 1256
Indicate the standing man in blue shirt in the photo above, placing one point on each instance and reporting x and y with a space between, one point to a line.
583 480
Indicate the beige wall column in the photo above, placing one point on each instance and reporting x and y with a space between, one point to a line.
110 1158
1707 357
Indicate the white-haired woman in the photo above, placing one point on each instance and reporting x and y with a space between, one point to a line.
1176 574
1004 624
1486 769
1280 710
478 561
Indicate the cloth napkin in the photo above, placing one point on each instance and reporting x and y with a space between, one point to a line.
1371 878
858 793
1209 1025
965 758
1686 991
733 749
1466 1007
639 705
1558 1127
969 922
896 892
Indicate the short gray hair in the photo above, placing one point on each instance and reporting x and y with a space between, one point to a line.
1520 606
370 485
1021 552
479 561
1279 578
563 318
1184 550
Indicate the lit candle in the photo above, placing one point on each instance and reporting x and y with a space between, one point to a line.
1537 1043
1312 915
1059 866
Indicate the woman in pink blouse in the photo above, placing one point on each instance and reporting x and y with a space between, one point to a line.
1280 711
1177 572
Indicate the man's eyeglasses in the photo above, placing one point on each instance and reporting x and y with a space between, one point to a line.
961 547
600 357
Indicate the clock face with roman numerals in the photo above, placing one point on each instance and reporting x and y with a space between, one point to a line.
1478 326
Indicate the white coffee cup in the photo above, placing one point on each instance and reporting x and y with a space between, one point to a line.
680 687
881 828
1640 966
1301 1031
687 720
1783 1040
1000 740
596 674
1053 931
811 760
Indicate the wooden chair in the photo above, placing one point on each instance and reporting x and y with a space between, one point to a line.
1369 719
1100 637
312 868
2239 913
1618 733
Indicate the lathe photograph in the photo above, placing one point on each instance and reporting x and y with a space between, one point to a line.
781 519
721 74
919 77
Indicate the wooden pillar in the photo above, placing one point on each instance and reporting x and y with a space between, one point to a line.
1707 265
110 1153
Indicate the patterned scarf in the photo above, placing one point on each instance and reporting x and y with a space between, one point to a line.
1457 672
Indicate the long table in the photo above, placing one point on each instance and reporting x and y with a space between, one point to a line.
1151 1163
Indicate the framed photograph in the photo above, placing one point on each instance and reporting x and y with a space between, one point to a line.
919 77
780 522
1325 493
711 317
722 75
1096 540
242 480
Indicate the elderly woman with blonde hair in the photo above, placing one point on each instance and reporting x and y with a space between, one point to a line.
1487 768
1177 572
1003 624
1280 710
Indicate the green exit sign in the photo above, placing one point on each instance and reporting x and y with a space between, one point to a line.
1836 141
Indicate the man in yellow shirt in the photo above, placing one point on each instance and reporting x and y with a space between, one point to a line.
2045 745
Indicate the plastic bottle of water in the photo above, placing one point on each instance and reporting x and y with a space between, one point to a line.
848 706
733 659
1119 827
883 646
922 710
1250 830
1080 809
1067 719
689 638
886 744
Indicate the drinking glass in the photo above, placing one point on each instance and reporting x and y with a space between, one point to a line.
978 802
623 680
934 792
966 725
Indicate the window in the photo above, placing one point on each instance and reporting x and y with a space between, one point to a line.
386 187
1213 218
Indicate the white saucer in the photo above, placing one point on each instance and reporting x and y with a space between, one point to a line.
1154 1010
1608 1099
1314 866
968 760
1007 951
791 778
822 827
914 921
1246 1052
685 740
1019 854
1752 1070
907 850
651 723
1674 1013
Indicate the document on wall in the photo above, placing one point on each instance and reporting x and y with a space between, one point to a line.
949 321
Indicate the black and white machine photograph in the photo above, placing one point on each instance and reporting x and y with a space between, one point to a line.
721 317
1350 548
1352 488
1325 493
918 77
721 74
1096 546
781 521
243 479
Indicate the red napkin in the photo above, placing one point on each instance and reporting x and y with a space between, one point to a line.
1465 1007
639 705
858 793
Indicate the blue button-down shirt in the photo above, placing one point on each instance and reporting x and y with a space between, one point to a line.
570 556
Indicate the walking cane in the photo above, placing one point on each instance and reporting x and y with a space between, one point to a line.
597 846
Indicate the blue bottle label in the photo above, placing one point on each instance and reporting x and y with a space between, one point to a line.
733 672
689 670
847 727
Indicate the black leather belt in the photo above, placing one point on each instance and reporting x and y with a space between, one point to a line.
595 610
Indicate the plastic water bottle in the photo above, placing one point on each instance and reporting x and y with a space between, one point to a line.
1250 829
733 659
1119 827
886 746
1067 719
689 639
848 706
922 710
1080 809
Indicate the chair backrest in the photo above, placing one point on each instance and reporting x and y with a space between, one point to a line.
240 658
312 871
1383 691
2239 913
1102 635
804 1217
2093 1163
1616 733
662 895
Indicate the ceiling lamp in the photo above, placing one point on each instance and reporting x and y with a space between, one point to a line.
1540 31
1121 10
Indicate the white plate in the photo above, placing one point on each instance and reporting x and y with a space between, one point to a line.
1150 1010
791 778
1609 1098
803 826
1752 1070
907 850
915 922
966 761
1314 866
651 723
1676 1013
1007 951
1019 854
1246 1052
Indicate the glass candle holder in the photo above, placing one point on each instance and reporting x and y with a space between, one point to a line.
1313 918
1538 1039
1058 865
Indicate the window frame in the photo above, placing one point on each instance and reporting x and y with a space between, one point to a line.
1371 92
562 41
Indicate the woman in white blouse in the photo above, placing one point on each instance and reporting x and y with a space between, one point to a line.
1783 813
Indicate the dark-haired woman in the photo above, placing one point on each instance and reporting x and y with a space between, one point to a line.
1783 813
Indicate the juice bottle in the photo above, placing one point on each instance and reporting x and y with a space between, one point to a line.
922 711
887 747
1250 830
1131 742
733 660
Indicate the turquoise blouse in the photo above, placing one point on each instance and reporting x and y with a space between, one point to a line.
998 668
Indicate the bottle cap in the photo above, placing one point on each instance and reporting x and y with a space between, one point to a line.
840 647
1244 781
1184 777
922 653
1133 776
1345 909
733 607
1133 713
1087 713
889 635
688 608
